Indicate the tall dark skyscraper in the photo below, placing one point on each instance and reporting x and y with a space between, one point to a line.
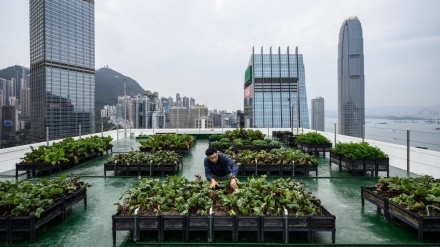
62 54
351 78
271 91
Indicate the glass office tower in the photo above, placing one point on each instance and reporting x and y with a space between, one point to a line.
271 91
351 79
62 54
318 115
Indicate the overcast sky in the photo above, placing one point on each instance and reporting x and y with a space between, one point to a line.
201 48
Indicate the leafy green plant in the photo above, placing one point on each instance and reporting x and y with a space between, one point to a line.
358 151
412 193
312 138
22 198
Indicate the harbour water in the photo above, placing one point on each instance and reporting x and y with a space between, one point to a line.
422 133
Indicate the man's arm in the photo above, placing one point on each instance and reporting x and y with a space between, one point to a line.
231 164
208 172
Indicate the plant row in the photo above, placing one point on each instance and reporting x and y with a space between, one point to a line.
67 150
23 198
414 194
156 158
179 196
275 156
163 141
312 138
358 151
226 143
244 134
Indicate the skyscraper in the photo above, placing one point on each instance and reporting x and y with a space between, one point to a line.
318 114
351 78
62 54
271 91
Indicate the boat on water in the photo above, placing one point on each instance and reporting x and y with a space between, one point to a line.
422 147
383 123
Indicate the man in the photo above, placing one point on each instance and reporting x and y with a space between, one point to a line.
219 166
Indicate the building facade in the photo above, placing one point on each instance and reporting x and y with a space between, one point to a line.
147 111
272 97
351 79
62 56
318 116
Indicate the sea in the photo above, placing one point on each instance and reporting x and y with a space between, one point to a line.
424 134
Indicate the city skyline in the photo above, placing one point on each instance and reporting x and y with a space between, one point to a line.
209 42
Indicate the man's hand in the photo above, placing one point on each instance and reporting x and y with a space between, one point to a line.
233 183
213 184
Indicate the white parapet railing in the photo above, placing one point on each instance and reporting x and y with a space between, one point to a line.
422 162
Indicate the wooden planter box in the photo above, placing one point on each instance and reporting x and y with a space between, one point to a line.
362 165
30 224
315 148
421 223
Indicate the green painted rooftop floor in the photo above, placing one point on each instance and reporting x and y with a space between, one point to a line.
339 193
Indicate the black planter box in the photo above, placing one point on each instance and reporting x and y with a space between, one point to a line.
181 150
49 168
421 223
173 223
4 227
248 224
315 148
30 224
136 224
139 169
362 165
273 224
277 169
223 224
197 224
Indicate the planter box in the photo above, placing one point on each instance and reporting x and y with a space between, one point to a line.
315 148
4 227
198 224
305 169
224 224
181 150
29 224
173 223
362 165
136 224
273 224
248 224
421 223
42 168
139 169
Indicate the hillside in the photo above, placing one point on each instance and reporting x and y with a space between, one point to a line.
110 85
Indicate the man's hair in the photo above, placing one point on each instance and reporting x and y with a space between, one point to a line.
210 151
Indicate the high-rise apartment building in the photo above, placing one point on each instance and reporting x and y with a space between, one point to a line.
185 101
271 91
62 56
318 116
192 102
351 79
147 111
